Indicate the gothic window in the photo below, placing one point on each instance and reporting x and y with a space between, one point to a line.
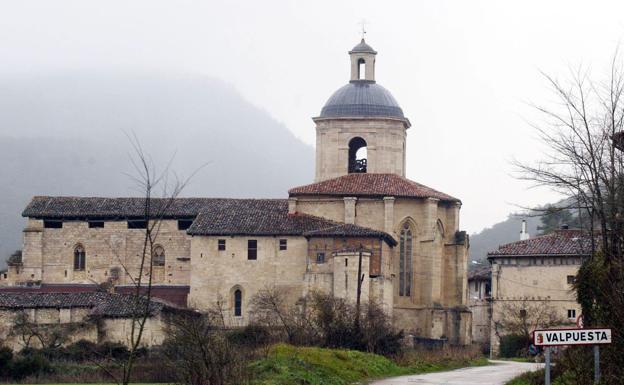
405 261
158 256
238 303
357 155
79 257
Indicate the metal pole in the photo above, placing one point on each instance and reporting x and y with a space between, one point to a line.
547 368
596 364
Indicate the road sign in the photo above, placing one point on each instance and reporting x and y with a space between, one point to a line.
559 337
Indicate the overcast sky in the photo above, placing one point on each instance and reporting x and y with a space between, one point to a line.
463 71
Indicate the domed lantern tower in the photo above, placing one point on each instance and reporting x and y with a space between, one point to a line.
361 128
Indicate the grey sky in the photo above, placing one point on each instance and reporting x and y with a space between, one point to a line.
462 70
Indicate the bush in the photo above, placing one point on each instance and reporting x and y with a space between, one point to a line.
30 365
513 345
252 336
6 355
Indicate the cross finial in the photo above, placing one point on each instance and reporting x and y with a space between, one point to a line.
363 24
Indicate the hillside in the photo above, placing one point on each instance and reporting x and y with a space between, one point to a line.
66 134
500 233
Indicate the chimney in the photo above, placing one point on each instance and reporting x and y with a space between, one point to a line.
523 233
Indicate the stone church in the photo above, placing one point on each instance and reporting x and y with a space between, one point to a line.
209 249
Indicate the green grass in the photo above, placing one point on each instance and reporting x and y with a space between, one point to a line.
290 365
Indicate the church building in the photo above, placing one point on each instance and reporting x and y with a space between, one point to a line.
226 250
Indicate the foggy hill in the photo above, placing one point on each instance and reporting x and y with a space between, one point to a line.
503 232
64 134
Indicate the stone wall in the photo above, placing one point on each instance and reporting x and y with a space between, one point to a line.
541 281
48 253
77 325
439 279
385 139
216 274
480 306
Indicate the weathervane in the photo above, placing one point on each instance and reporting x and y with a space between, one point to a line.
363 24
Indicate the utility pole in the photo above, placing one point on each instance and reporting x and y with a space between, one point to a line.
360 278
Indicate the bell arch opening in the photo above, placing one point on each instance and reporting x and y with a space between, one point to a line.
361 69
357 155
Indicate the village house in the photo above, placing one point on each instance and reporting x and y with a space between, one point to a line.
212 250
538 273
479 301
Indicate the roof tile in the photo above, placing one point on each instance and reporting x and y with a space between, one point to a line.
364 184
559 242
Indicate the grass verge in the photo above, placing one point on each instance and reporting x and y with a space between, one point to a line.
291 365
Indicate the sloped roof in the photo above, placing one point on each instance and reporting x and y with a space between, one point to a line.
212 216
363 47
367 185
272 218
105 208
100 303
481 273
559 242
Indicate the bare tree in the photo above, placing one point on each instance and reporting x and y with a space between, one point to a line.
583 133
524 316
160 190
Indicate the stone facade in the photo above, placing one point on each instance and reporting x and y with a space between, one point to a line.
385 139
48 253
407 234
480 304
73 321
540 271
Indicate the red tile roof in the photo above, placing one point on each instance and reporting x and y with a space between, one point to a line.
560 242
378 185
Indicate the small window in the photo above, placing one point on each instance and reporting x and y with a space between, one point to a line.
320 257
184 224
283 244
221 245
96 224
79 257
523 313
137 224
158 256
252 249
238 303
571 279
572 313
53 224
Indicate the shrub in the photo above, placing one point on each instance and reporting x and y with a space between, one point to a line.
513 345
6 355
30 365
252 336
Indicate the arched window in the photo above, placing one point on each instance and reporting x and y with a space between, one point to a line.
357 155
405 261
158 255
361 69
79 257
238 303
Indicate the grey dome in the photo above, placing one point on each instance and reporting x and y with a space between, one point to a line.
362 98
363 48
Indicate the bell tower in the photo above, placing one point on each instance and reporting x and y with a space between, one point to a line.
361 128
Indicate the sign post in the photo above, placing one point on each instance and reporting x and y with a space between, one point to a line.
563 337
547 368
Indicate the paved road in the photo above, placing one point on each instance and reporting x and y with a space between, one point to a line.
497 374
